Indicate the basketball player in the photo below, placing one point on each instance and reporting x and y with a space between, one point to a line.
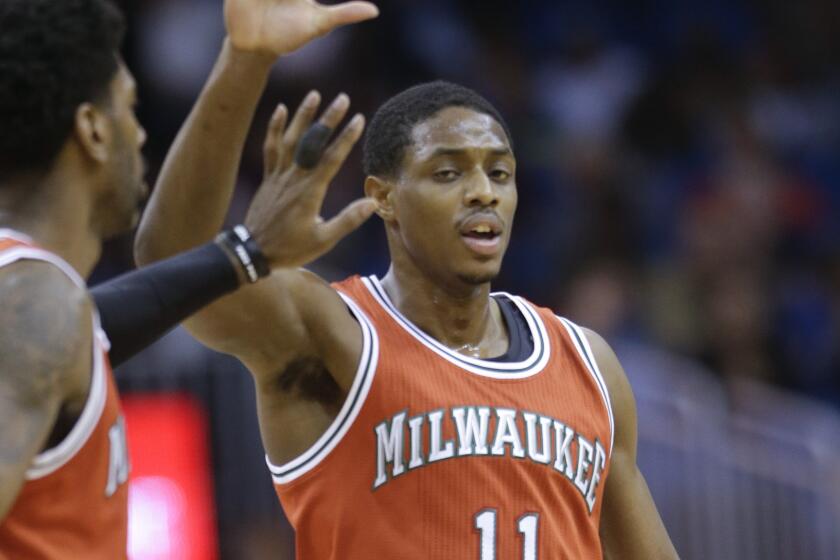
71 176
416 416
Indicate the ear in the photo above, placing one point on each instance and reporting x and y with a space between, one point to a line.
93 132
380 190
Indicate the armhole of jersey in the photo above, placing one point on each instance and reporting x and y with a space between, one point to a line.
52 459
581 344
297 467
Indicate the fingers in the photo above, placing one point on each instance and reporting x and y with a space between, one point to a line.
348 220
338 151
273 146
310 147
346 13
300 122
336 111
306 113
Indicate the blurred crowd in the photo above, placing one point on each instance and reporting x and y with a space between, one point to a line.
677 169
677 164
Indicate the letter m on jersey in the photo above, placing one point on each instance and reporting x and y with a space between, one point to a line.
389 448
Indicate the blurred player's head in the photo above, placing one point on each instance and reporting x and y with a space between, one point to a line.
439 159
67 106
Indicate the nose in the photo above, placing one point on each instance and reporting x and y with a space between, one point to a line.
480 191
141 136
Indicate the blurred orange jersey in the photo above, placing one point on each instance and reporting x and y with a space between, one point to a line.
439 456
74 502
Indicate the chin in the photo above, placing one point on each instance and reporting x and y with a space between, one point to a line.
478 278
480 272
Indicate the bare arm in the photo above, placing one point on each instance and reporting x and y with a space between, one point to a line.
45 351
195 185
631 528
198 179
194 188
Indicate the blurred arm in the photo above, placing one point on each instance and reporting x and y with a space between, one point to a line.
45 350
631 528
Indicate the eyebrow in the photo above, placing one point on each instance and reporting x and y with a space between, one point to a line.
500 151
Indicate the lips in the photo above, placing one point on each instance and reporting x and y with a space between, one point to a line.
482 233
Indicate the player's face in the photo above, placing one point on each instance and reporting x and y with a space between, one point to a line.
125 189
455 197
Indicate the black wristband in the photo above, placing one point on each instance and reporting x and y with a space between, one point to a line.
239 243
257 256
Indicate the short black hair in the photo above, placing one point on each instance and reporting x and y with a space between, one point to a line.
389 131
54 56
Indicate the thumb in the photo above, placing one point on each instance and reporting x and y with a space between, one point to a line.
348 220
348 12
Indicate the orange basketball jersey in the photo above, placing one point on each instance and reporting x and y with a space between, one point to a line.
74 502
439 456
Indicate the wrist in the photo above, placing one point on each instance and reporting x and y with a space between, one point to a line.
241 276
249 261
255 61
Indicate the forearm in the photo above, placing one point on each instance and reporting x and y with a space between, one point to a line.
139 307
198 177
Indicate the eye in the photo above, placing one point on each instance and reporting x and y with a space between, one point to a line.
500 175
446 175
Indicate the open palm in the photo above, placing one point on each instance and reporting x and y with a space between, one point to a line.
282 26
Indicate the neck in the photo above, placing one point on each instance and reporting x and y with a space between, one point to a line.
55 215
466 320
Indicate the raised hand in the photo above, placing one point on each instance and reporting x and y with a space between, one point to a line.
279 27
284 217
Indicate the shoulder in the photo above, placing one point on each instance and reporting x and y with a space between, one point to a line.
46 331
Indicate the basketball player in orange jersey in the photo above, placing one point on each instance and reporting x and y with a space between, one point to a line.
416 416
70 176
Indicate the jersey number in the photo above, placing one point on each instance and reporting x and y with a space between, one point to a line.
527 525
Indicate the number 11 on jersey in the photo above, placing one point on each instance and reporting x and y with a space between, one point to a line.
527 525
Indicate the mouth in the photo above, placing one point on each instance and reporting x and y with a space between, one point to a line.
482 234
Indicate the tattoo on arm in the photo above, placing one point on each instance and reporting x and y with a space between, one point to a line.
45 347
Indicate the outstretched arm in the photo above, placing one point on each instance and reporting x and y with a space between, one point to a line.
45 352
195 186
631 528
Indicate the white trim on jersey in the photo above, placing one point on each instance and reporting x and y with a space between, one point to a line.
485 368
51 460
54 458
578 338
33 253
309 459
16 235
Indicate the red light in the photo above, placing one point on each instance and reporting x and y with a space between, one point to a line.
171 509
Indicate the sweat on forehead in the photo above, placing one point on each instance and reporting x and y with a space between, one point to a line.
390 131
452 130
